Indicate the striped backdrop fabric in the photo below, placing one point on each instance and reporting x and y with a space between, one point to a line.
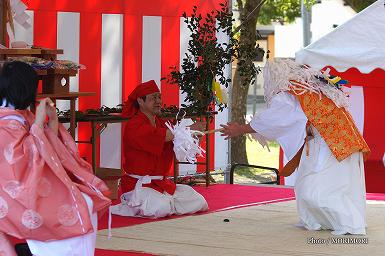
121 43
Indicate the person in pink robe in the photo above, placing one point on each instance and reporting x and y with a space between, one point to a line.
48 193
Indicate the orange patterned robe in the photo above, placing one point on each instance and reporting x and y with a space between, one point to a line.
335 125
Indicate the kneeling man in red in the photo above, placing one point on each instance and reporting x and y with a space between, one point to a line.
148 156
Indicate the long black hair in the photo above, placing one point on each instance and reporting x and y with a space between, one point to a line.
18 84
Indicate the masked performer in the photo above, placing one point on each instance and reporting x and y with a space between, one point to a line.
307 115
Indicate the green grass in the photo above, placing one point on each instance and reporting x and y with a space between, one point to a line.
257 155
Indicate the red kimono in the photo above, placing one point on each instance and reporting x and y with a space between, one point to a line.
145 152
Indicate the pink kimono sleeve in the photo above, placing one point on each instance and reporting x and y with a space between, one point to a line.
6 248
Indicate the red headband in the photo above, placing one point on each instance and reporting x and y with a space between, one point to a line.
130 107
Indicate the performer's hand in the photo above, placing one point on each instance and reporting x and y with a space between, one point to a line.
50 109
169 136
231 130
41 113
53 121
46 108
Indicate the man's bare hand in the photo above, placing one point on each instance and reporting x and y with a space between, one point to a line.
231 130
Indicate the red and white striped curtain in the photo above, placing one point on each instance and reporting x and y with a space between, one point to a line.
121 43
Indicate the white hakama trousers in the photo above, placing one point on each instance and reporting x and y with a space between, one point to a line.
76 246
330 194
147 202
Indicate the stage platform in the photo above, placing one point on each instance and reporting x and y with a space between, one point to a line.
242 220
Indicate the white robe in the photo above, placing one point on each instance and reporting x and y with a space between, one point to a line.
329 194
147 202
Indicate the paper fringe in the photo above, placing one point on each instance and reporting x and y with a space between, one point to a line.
186 142
282 74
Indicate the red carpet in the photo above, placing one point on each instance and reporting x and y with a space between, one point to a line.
219 197
100 252
375 196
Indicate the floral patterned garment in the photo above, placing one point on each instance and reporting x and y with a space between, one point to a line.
335 125
42 177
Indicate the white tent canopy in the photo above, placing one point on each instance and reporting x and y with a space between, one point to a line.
359 43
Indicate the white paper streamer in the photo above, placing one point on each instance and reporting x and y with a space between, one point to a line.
257 137
261 140
279 75
186 141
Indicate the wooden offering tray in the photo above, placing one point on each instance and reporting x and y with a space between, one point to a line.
44 53
55 80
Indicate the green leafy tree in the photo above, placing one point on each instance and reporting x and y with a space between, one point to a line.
252 12
202 66
282 11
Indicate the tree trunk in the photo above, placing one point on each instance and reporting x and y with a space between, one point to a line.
241 83
238 112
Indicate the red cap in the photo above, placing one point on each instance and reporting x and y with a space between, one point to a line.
143 89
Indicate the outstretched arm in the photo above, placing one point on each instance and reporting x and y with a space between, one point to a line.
231 130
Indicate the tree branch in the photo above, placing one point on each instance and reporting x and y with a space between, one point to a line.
250 14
